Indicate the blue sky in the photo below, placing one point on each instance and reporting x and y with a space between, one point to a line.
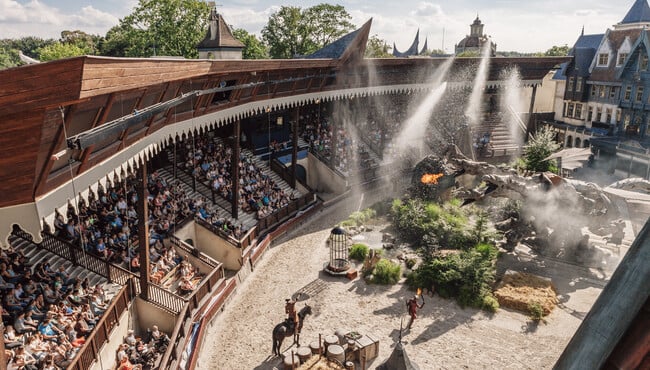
515 25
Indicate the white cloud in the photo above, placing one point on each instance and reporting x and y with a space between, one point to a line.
38 19
425 9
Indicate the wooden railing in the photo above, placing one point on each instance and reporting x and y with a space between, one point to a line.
283 213
218 231
189 249
177 341
213 283
165 299
94 342
285 173
78 256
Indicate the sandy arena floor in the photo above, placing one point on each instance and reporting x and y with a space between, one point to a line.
444 336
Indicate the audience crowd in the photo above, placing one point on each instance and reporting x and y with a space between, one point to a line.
141 353
210 161
107 224
47 314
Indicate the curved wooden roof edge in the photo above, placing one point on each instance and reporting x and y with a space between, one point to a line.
33 98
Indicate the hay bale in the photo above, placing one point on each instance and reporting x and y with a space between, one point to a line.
320 363
517 290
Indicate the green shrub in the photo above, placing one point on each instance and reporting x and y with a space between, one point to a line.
410 262
536 311
359 251
348 223
490 303
466 276
386 272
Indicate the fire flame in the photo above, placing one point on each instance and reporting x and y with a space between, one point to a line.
431 179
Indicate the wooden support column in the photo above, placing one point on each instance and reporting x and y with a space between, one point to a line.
530 130
235 169
294 152
3 358
175 157
143 231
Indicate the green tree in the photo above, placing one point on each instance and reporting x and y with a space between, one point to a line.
557 51
293 31
159 27
377 48
59 50
253 48
89 43
8 55
538 148
30 45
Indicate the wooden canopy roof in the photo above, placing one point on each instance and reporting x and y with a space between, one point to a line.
87 92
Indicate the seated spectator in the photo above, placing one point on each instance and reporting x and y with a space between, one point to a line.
21 326
11 338
48 330
130 338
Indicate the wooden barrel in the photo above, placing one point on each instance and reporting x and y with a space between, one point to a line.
315 347
341 334
349 365
329 340
291 360
352 345
336 352
304 353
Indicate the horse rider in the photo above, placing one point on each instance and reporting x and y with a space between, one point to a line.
412 305
290 310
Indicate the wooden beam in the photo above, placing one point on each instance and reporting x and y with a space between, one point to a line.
56 144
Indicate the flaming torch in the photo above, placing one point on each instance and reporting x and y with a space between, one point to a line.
431 179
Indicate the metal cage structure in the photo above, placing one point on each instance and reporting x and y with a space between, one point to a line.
339 262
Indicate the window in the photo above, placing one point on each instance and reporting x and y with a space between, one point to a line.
621 59
639 94
578 111
613 92
569 112
601 91
579 84
593 91
618 115
644 63
565 108
603 59
628 93
608 115
570 86
599 114
590 113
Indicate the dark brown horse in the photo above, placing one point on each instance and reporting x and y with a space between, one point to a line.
288 328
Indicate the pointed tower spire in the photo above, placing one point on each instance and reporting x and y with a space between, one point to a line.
583 30
638 13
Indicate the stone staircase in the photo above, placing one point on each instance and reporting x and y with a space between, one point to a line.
36 255
264 165
502 144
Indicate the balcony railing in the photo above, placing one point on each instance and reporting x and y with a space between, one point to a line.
96 339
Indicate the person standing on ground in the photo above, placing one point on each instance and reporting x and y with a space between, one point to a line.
412 305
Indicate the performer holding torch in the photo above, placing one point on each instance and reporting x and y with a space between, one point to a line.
412 305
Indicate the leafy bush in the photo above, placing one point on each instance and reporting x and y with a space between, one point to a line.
415 219
410 263
359 251
386 272
490 303
360 217
536 311
539 148
466 276
381 208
